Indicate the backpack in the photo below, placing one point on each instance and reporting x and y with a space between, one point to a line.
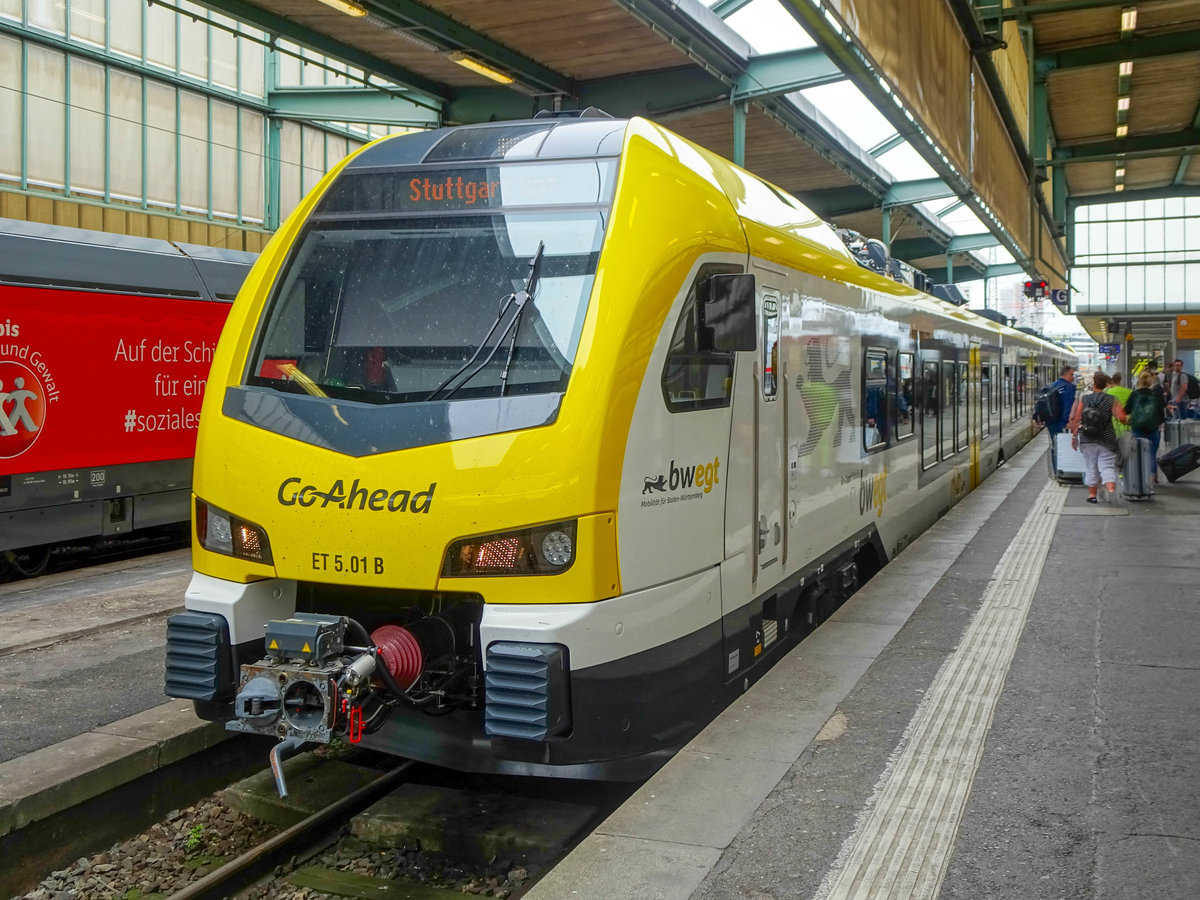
1093 422
1193 387
1047 407
1143 412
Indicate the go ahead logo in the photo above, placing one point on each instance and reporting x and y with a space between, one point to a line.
22 408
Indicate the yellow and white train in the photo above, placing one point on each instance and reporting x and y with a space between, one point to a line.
528 446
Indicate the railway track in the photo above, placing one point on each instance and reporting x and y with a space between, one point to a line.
293 843
406 830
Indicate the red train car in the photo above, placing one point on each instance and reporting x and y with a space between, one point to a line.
105 346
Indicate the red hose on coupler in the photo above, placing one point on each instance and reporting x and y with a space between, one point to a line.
400 652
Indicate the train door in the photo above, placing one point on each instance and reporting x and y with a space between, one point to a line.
755 513
770 520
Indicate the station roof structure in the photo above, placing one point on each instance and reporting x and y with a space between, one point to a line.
1014 110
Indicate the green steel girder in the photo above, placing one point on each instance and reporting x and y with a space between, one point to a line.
887 144
999 271
771 74
726 8
1131 48
906 193
445 30
349 104
1132 147
285 28
962 243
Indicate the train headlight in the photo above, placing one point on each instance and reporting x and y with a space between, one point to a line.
220 532
558 548
543 550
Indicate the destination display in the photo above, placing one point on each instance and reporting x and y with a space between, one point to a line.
471 189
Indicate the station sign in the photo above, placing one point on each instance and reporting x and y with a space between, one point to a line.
1110 349
1058 297
1187 327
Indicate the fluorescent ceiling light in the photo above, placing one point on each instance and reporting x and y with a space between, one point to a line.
1120 187
479 68
1128 19
1120 173
349 7
1126 68
1122 130
1122 103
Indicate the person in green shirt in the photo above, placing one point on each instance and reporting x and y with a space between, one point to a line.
1122 393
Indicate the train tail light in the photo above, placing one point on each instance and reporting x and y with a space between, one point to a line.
221 532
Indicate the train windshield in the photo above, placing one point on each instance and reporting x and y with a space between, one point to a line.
388 308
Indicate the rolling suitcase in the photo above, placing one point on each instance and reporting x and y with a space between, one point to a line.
1069 463
1179 462
1137 473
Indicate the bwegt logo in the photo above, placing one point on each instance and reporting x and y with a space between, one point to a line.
378 500
700 475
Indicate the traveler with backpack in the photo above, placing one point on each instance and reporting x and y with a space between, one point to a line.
1092 433
1053 409
1147 410
1182 389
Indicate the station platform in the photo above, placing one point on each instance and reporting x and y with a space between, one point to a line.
1008 710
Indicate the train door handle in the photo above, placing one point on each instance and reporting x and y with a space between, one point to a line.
778 534
763 531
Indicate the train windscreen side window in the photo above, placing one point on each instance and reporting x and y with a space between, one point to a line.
693 379
875 400
930 409
904 396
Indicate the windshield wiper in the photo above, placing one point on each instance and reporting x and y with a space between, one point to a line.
520 299
524 297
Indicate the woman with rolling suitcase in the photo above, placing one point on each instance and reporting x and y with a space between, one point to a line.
1147 409
1092 432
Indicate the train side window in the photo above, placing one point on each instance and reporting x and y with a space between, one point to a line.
930 402
770 360
964 399
949 408
1006 387
875 400
985 397
692 378
904 396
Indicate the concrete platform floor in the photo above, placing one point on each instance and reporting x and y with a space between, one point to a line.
1008 710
